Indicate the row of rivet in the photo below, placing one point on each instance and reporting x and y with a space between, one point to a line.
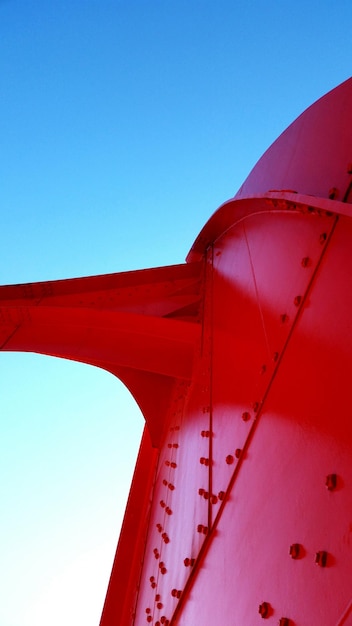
230 458
168 485
296 551
168 511
164 535
206 495
163 620
171 464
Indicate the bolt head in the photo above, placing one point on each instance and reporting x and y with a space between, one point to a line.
294 551
321 558
331 482
264 609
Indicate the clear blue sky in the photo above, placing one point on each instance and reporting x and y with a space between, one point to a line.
124 125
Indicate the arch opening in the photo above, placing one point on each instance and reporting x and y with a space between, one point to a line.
69 439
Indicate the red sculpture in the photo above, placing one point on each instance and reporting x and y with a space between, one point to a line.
240 359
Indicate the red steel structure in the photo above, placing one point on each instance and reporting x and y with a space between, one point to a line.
240 508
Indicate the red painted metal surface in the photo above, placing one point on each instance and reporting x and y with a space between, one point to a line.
241 504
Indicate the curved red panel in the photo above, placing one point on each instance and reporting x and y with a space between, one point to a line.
240 507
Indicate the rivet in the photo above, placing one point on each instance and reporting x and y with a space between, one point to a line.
256 407
321 558
322 238
221 495
214 499
229 459
165 482
159 605
157 597
204 461
238 453
297 301
167 463
201 491
168 511
294 551
206 495
264 609
171 486
162 504
189 562
333 193
149 618
246 416
331 482
284 621
306 262
202 529
148 611
205 433
159 527
173 464
175 445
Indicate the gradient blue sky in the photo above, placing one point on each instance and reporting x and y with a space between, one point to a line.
124 125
